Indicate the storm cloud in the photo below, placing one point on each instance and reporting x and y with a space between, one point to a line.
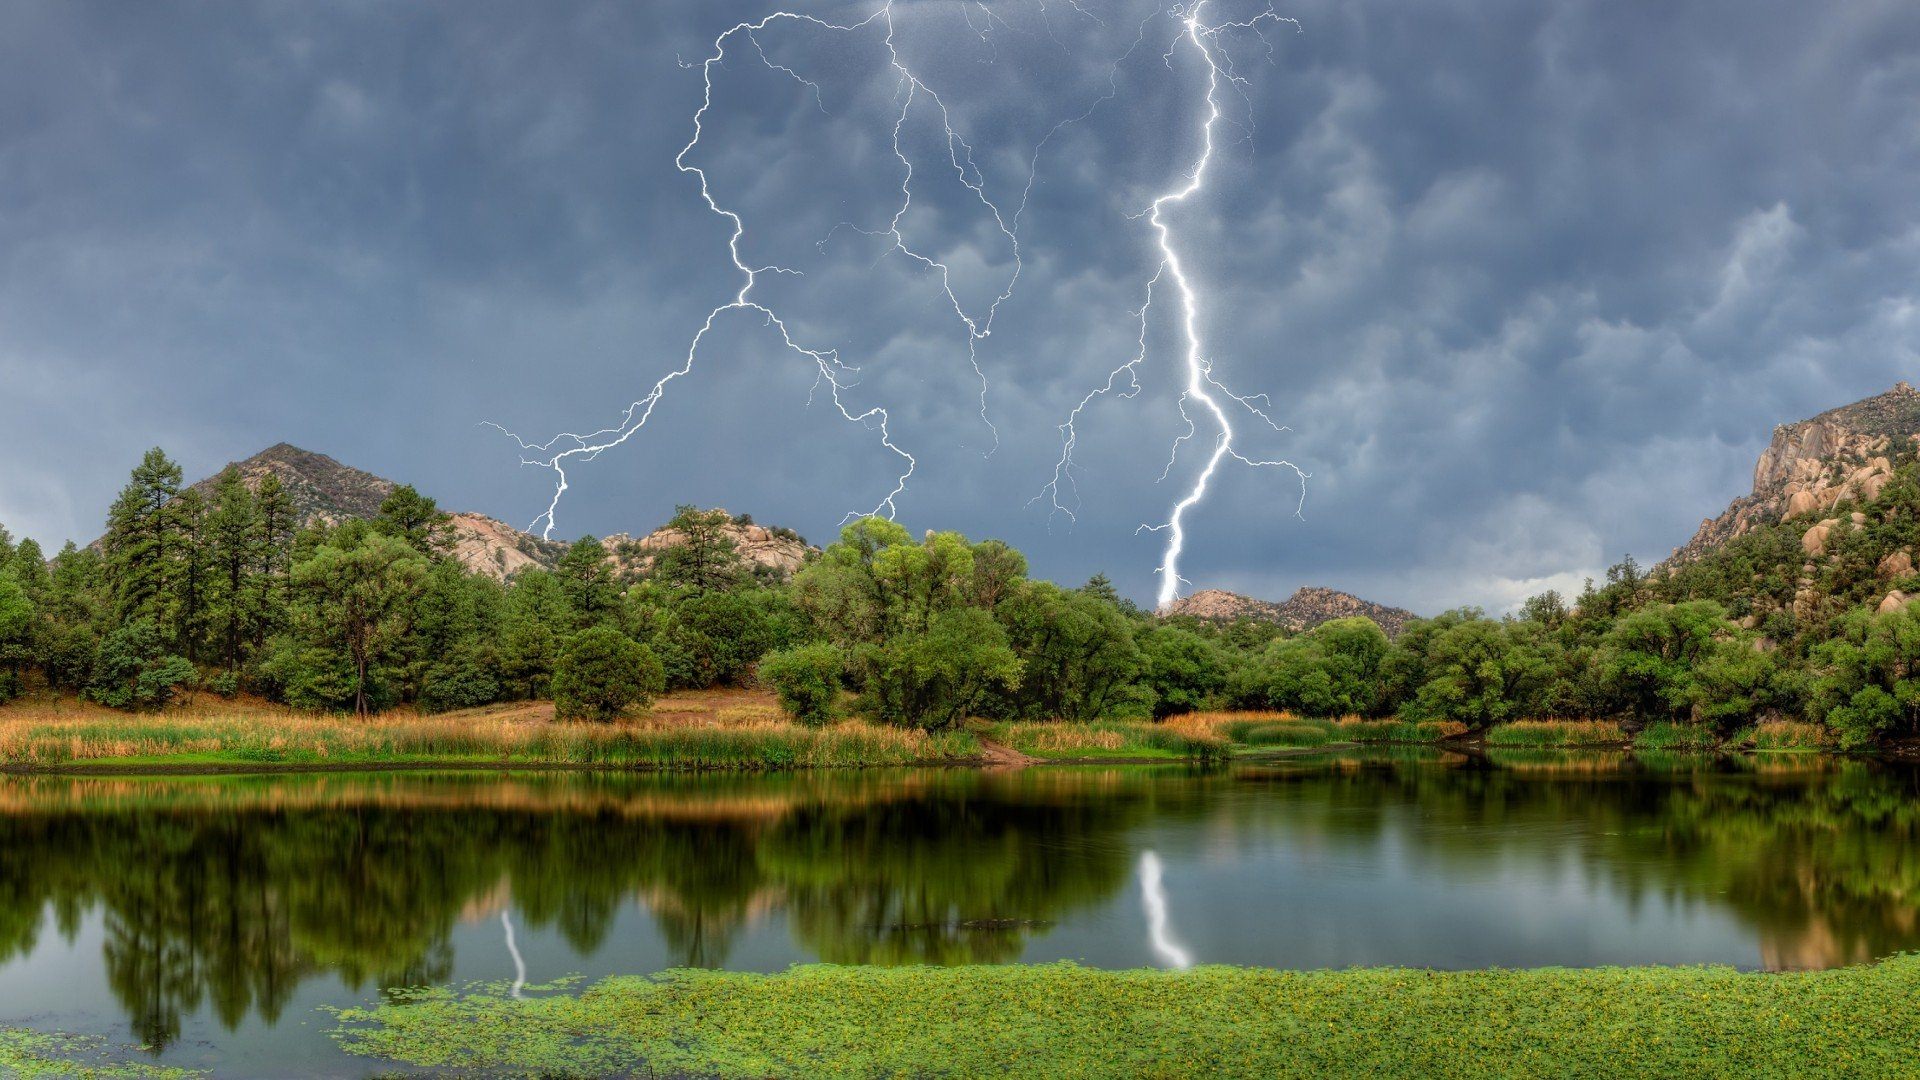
1529 283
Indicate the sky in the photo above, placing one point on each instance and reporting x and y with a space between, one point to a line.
1527 284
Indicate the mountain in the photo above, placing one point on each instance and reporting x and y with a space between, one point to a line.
324 491
1809 466
1307 608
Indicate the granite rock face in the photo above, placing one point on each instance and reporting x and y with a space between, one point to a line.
1305 609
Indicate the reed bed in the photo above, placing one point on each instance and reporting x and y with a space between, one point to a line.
1355 729
1100 739
1791 736
1559 733
721 738
1666 736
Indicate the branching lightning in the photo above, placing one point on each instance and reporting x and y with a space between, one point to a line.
916 101
1200 384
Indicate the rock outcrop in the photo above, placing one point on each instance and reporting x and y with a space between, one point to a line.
778 550
1307 608
325 492
1814 465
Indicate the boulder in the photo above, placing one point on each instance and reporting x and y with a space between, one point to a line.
1895 601
1897 565
1814 540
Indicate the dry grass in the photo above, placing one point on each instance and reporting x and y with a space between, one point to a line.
699 730
1558 733
1111 739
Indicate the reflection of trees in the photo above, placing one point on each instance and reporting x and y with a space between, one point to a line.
1815 854
230 903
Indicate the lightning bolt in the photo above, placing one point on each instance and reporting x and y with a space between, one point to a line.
1200 383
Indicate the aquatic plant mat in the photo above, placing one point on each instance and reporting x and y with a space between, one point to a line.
32 1054
1061 1020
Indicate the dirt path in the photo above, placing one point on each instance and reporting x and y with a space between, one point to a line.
1001 756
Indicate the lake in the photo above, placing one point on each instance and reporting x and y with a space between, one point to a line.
215 917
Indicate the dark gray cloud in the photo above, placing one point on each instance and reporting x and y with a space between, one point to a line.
1529 282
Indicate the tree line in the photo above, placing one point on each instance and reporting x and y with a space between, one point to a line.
231 593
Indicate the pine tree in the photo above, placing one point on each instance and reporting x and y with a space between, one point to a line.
275 522
586 575
233 539
143 542
193 571
415 518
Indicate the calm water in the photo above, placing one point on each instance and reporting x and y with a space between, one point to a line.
214 917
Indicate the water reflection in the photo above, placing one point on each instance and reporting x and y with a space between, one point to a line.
225 895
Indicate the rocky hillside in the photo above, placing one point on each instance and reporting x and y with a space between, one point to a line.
1305 609
1808 467
324 491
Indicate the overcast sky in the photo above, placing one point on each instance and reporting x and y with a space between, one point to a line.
1530 283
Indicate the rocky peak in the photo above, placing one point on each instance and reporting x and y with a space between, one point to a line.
1307 608
778 550
1809 466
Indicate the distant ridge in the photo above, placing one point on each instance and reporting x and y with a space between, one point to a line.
325 492
1307 608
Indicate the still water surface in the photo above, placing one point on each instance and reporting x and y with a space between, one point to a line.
212 918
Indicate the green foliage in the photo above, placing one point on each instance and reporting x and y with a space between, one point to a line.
807 681
1479 672
415 520
134 670
1671 736
1332 670
1651 655
1077 655
352 603
603 674
1183 671
1868 681
914 620
19 623
1060 1019
705 558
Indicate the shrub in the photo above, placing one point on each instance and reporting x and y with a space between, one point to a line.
134 671
806 679
603 673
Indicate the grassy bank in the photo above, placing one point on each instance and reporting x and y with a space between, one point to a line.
703 730
1558 733
1178 739
1062 1020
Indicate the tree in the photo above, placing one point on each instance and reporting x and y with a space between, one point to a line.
534 626
702 555
233 539
276 521
1867 684
921 647
18 625
190 627
134 670
806 679
1480 672
1332 670
416 520
452 656
1077 654
143 542
1650 655
585 574
602 674
1184 671
351 604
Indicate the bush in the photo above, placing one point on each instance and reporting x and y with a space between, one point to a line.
134 671
806 680
602 673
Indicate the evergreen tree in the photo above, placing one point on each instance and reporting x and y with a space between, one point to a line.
417 520
143 543
275 523
193 570
585 573
234 539
704 556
